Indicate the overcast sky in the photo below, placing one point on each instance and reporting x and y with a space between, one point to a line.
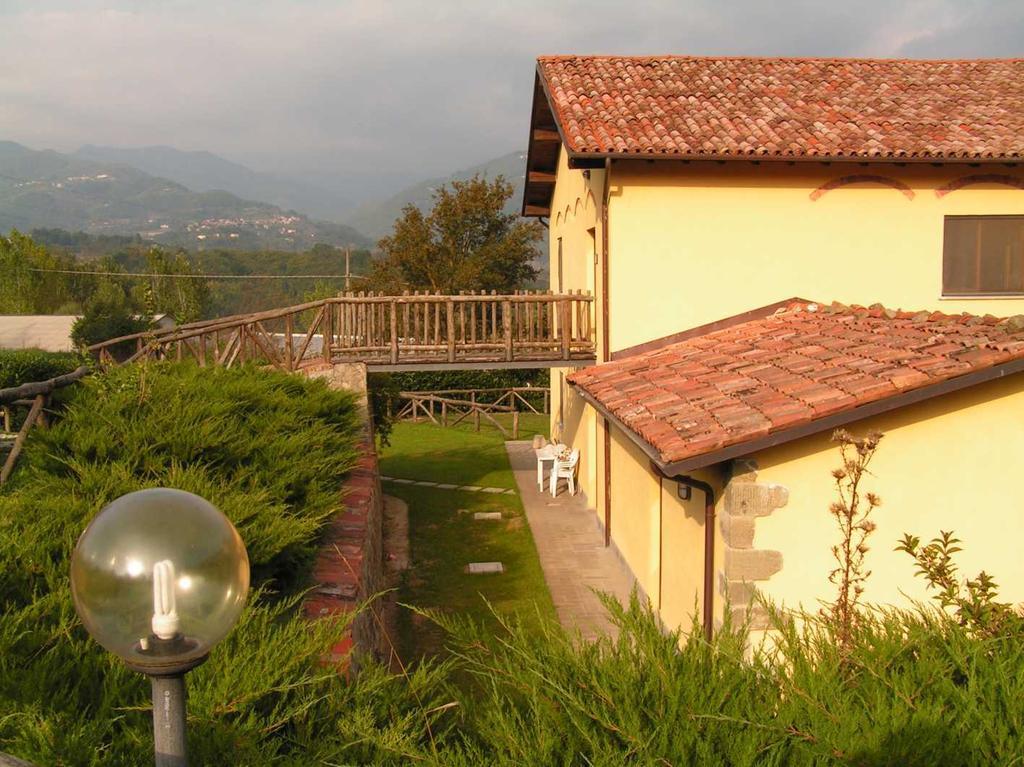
417 88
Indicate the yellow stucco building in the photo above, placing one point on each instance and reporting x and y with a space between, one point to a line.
700 200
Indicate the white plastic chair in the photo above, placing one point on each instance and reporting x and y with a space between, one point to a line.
565 470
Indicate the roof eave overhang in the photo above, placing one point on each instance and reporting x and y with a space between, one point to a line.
598 159
541 167
833 421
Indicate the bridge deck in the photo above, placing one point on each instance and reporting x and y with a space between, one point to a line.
407 332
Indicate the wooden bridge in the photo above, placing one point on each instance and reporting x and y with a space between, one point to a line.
414 331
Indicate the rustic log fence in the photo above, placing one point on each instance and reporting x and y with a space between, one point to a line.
450 407
36 397
383 332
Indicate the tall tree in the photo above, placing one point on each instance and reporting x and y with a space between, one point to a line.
466 242
26 291
183 293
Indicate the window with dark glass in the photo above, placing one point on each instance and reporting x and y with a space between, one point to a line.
983 255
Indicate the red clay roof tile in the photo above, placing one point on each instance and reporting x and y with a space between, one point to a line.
684 410
764 107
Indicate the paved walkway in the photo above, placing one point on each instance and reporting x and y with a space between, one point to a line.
571 548
443 486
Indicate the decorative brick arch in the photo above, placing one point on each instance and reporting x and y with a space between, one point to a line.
980 178
862 178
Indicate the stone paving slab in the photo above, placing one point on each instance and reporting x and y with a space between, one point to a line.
571 547
443 486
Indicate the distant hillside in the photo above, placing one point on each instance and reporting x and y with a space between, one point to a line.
376 219
206 172
48 189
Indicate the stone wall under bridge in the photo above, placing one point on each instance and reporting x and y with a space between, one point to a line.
349 568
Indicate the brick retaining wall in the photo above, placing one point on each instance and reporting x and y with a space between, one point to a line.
349 568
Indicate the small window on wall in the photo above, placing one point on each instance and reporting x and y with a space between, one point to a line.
983 256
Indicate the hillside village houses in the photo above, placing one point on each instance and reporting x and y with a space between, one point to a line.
780 247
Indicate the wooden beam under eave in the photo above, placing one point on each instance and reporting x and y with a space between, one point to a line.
542 134
541 177
586 163
536 210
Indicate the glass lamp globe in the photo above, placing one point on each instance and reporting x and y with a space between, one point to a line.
159 577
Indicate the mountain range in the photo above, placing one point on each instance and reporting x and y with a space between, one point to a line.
200 200
49 189
207 172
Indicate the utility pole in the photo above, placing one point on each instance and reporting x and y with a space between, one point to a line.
348 268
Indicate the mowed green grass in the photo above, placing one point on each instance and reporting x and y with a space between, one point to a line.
444 537
458 455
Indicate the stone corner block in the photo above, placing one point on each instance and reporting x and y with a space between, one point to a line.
754 617
752 564
737 530
749 499
743 470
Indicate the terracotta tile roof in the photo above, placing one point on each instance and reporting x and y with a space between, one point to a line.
801 364
727 107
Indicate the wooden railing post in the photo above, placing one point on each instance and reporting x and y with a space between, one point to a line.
450 318
515 424
394 332
566 327
19 441
289 350
328 331
506 325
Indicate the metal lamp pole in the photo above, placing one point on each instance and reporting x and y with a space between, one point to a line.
169 705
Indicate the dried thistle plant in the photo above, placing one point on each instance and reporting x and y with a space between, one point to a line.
851 512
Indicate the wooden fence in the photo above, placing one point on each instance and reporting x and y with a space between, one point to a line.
383 332
450 407
36 397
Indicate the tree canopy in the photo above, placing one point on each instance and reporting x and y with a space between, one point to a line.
466 242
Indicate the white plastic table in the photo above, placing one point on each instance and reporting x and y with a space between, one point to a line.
546 453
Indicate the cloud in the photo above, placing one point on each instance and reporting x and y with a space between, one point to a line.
395 87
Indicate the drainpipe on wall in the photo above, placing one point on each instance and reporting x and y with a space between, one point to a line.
605 351
709 546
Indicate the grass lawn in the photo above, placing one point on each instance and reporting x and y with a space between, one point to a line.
453 455
444 537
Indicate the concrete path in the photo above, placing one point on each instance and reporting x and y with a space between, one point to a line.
571 548
442 486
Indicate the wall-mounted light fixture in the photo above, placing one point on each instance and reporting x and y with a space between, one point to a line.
684 492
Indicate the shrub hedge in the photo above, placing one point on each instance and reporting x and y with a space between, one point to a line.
18 366
270 450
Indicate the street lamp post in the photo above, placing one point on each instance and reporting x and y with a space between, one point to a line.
159 577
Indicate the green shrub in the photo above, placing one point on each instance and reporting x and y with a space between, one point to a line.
909 688
108 314
270 450
18 366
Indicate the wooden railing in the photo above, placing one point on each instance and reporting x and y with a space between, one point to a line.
448 411
451 407
35 396
383 331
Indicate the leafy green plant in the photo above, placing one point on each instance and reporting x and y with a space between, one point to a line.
972 600
108 315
